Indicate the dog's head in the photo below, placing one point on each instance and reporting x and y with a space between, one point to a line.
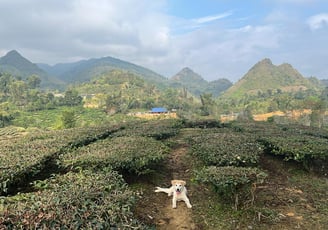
178 185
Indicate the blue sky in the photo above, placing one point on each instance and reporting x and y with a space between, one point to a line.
215 38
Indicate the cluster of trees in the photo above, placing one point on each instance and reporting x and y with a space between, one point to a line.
25 94
316 101
120 91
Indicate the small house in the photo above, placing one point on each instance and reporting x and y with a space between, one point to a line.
158 110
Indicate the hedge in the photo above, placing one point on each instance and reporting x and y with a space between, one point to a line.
83 200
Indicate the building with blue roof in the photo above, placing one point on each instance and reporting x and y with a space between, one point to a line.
158 110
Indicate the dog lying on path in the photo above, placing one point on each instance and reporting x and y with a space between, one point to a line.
178 190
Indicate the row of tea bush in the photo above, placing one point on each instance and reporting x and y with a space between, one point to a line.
87 191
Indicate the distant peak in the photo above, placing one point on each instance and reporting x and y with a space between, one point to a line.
286 65
266 61
13 53
187 74
186 69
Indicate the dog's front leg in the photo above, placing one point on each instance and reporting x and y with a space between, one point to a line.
174 202
186 200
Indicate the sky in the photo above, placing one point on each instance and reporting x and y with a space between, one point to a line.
215 38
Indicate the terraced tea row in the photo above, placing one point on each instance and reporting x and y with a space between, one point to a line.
26 156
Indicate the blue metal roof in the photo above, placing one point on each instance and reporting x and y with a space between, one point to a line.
158 110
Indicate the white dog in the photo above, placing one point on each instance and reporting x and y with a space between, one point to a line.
178 190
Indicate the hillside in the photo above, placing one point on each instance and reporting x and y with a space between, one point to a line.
217 87
264 77
15 64
85 70
194 83
119 91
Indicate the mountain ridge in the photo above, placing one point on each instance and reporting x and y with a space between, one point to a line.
265 76
197 85
85 70
17 65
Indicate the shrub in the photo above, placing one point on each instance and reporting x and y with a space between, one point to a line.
129 153
26 156
203 123
157 129
84 200
221 147
307 150
236 184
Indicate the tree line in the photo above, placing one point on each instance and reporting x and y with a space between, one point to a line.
17 94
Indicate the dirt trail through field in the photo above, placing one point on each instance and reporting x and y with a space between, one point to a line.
156 208
179 218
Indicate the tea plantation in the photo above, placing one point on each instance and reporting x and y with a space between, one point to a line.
73 178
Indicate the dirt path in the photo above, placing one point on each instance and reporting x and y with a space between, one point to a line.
156 208
179 218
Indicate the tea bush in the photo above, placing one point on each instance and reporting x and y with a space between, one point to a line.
237 184
129 153
157 129
83 200
203 123
221 147
26 156
301 148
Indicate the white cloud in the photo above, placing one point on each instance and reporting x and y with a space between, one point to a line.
212 18
318 21
141 32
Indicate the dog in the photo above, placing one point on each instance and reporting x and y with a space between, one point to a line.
178 190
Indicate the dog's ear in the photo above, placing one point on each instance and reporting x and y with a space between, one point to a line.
183 182
173 182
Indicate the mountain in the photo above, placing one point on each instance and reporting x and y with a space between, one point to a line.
85 70
190 80
264 77
14 63
219 86
325 82
195 84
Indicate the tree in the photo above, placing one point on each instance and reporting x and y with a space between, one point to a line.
68 119
5 82
18 91
33 81
207 103
72 98
5 119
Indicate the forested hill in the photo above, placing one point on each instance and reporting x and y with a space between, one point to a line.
85 70
18 66
265 77
194 83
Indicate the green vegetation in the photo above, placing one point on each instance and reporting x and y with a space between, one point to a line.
73 177
65 155
236 184
85 199
27 156
221 147
264 77
195 84
131 154
310 151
